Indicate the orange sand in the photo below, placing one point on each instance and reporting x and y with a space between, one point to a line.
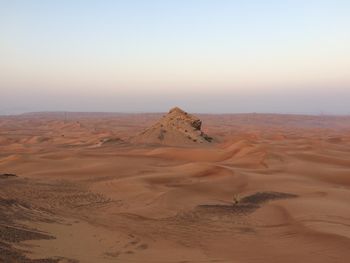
107 199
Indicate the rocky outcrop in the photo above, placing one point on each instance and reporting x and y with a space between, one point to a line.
175 128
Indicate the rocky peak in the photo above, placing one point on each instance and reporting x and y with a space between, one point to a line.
177 115
176 127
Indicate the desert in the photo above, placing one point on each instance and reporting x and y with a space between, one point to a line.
187 131
174 187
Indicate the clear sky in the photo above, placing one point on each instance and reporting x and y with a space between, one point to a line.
281 56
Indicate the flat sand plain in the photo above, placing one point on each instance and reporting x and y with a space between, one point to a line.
270 188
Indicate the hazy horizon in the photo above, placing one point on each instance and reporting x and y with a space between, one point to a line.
148 56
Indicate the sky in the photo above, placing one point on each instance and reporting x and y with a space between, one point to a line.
208 56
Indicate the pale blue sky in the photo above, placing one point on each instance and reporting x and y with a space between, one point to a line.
206 56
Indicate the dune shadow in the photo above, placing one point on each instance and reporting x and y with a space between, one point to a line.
245 205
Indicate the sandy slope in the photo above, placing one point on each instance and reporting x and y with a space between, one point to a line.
273 188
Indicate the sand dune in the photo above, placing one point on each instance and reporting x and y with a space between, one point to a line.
268 188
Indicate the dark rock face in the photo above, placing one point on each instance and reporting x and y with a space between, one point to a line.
197 124
207 138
